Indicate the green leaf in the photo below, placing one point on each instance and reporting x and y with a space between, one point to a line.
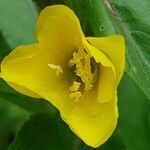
11 119
43 132
43 3
133 21
4 47
134 111
17 22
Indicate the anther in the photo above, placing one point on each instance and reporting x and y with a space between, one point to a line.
57 68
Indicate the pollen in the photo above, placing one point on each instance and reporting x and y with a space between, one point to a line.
75 86
85 73
75 96
57 68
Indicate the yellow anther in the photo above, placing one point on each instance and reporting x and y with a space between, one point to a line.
82 62
57 68
75 96
75 86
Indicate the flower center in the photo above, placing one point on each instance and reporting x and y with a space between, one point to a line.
85 71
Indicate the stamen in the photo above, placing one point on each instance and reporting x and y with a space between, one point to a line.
75 96
82 63
57 68
75 86
83 67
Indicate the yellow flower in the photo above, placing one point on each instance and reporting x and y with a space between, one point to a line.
78 75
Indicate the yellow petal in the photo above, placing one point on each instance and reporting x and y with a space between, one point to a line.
94 122
107 75
114 48
23 90
16 55
26 69
58 27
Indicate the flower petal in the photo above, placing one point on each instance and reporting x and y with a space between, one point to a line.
17 54
114 48
59 27
94 122
23 90
26 69
107 75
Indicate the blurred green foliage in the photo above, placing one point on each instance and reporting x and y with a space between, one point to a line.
133 21
11 119
45 130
